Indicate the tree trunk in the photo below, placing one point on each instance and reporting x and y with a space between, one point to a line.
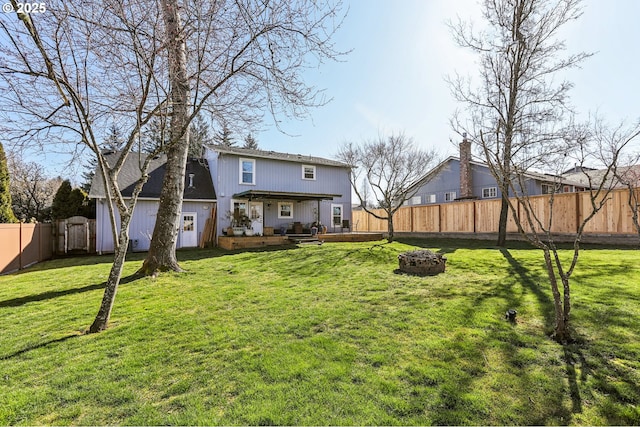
162 251
560 330
567 301
104 313
390 227
502 225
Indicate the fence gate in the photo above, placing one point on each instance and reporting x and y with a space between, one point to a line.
73 235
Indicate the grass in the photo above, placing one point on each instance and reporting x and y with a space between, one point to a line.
321 335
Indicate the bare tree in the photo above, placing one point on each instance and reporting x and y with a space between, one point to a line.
67 74
535 216
32 190
70 72
627 176
389 166
518 101
239 58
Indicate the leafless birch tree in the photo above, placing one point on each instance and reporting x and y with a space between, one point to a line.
518 101
389 166
68 73
236 59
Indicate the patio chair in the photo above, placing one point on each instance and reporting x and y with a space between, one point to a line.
345 224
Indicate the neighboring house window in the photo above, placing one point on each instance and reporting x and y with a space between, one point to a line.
336 215
416 200
309 172
431 198
285 210
449 196
489 192
550 188
247 171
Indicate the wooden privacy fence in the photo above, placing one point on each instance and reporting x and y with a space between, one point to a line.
24 244
482 216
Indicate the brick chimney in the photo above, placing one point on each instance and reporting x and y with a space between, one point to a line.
466 182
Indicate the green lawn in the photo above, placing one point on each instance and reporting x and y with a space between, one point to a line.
321 335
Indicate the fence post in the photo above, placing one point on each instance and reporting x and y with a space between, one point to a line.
20 246
411 219
577 211
475 216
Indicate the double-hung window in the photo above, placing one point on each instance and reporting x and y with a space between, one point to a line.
336 215
309 172
285 210
449 196
248 171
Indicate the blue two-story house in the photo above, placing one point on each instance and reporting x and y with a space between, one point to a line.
271 190
278 190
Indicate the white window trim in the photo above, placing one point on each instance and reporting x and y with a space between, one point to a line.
451 195
280 210
314 172
418 198
495 192
253 175
335 205
431 198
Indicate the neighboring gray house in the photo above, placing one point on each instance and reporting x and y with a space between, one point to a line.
463 179
199 199
275 190
278 189
586 176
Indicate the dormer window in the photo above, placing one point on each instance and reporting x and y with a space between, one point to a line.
309 172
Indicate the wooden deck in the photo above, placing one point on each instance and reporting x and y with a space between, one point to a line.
245 242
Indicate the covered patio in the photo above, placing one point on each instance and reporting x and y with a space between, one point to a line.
291 213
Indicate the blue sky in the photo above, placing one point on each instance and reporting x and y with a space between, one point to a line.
394 80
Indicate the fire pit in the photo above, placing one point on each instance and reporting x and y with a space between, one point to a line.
423 262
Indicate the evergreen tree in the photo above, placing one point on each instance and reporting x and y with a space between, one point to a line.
114 140
198 136
224 136
6 213
250 142
155 135
69 202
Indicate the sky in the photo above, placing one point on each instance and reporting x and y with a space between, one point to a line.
401 52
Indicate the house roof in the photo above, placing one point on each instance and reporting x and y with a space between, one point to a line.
630 174
202 188
264 154
265 194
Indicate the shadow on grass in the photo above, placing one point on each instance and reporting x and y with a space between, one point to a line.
16 302
40 345
529 282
